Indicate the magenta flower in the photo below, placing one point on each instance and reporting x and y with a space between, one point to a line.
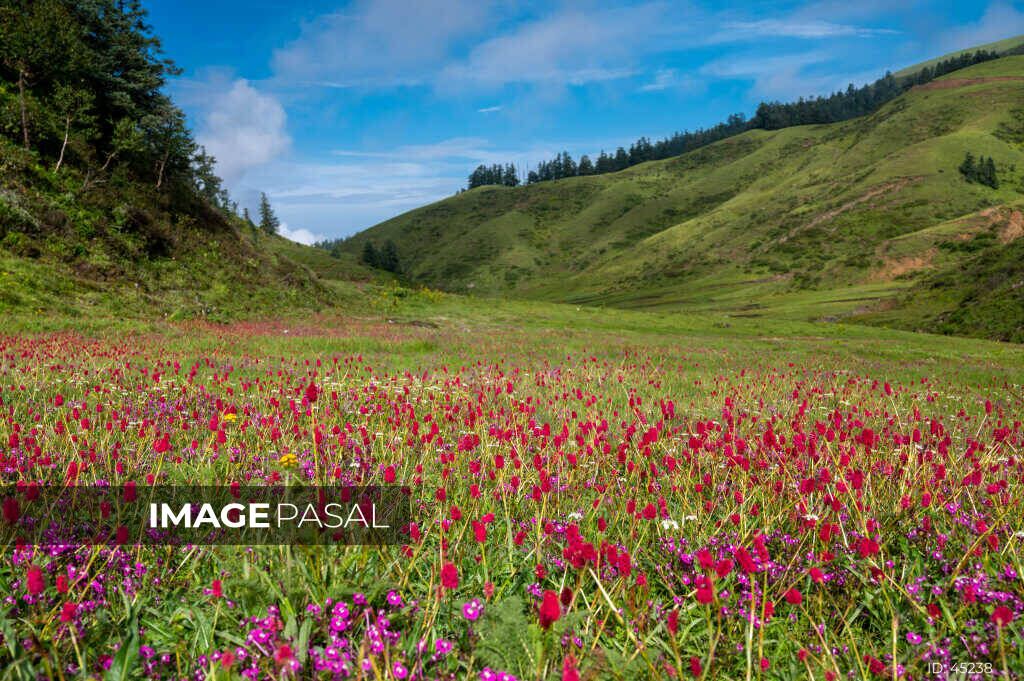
472 610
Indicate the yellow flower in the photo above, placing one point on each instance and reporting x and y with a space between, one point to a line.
288 460
228 418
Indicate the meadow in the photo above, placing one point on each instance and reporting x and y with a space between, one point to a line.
597 494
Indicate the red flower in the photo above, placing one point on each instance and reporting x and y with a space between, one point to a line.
794 597
550 609
35 580
569 671
283 654
11 509
695 666
673 622
67 613
216 590
705 596
449 576
1002 616
312 392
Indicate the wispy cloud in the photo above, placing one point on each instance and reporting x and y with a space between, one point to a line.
738 31
780 76
569 47
379 43
666 79
1000 20
489 109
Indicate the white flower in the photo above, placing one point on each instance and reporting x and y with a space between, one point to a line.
669 524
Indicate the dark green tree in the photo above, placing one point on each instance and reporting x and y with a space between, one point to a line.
389 257
370 257
268 220
967 167
987 173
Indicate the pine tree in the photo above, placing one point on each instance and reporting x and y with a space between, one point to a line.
967 168
389 257
585 166
988 174
268 220
370 257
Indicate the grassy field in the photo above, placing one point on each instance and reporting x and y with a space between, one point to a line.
859 218
597 493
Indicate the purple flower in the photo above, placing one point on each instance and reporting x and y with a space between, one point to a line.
471 610
395 599
913 638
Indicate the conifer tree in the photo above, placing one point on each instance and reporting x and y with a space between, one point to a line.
370 257
268 220
389 257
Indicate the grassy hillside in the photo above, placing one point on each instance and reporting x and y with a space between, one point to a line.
862 218
121 248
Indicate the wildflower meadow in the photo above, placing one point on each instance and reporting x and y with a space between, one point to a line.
590 500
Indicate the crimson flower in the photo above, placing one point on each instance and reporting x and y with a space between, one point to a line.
1002 616
34 580
449 576
550 609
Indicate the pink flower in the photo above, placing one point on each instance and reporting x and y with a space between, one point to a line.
471 610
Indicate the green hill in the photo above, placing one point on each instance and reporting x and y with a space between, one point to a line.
865 218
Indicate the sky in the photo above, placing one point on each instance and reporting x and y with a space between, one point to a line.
348 113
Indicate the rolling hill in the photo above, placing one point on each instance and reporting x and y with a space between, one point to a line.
869 219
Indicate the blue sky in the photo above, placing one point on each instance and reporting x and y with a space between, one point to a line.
347 113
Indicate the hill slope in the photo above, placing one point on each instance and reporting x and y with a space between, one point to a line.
126 249
857 218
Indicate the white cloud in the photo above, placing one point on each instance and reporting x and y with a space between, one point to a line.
782 76
792 28
489 109
569 47
666 79
302 236
241 127
1001 20
379 42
